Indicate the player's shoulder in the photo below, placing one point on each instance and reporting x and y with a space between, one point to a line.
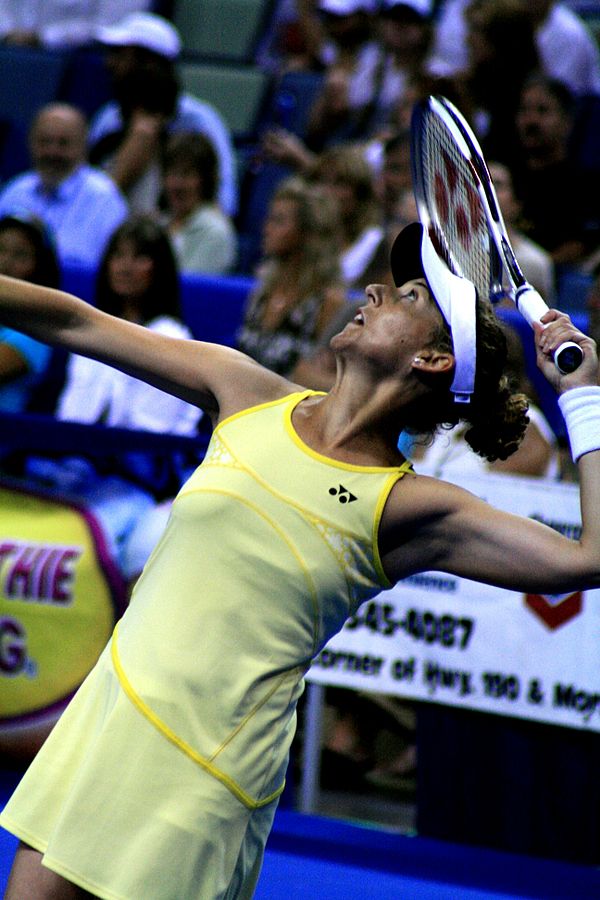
248 384
419 498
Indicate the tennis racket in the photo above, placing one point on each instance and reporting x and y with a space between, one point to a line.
457 204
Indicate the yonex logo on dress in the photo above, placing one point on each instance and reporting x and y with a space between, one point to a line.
342 493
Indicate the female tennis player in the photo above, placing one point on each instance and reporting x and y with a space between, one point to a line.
161 778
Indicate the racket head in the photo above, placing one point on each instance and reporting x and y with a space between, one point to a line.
454 195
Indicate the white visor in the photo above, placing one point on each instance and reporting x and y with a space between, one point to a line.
414 256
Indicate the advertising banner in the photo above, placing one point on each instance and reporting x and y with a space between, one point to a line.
448 640
60 595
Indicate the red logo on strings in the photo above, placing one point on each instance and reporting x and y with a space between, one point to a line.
474 204
463 227
441 199
451 173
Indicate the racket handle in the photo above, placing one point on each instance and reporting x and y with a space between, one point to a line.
532 307
530 304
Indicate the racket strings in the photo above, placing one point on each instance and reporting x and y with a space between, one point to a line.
459 223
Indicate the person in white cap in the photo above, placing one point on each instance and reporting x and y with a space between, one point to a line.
128 133
162 777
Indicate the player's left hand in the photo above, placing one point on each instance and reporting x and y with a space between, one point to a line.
557 328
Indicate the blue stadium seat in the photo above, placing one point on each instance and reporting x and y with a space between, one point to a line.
292 101
87 83
29 78
213 307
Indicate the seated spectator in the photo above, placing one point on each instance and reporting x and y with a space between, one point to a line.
299 287
535 262
345 172
403 29
203 237
501 50
282 46
26 252
54 23
127 134
336 34
80 204
560 200
567 48
137 280
405 32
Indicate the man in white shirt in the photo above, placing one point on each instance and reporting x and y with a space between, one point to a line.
81 205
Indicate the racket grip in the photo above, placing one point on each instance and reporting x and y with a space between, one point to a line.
532 307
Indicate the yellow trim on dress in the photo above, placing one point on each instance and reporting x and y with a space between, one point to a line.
265 405
328 460
383 497
182 745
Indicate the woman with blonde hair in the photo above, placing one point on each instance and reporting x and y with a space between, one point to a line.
299 287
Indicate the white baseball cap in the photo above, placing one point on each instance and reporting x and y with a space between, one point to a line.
347 7
414 256
143 29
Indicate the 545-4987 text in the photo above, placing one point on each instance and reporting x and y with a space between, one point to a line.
421 625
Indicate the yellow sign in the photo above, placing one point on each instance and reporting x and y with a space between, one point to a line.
59 596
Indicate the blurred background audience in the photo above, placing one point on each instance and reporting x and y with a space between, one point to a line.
560 198
536 263
345 173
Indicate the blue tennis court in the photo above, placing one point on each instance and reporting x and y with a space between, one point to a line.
312 857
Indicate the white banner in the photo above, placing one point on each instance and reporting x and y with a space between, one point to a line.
448 640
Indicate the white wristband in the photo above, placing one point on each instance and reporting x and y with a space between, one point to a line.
581 410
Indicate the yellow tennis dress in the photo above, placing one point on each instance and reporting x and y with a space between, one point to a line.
161 779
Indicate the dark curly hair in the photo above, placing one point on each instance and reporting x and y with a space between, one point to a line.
497 415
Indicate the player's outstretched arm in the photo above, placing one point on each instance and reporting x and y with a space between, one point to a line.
430 524
216 378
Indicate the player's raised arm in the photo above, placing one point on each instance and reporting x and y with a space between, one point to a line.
214 377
